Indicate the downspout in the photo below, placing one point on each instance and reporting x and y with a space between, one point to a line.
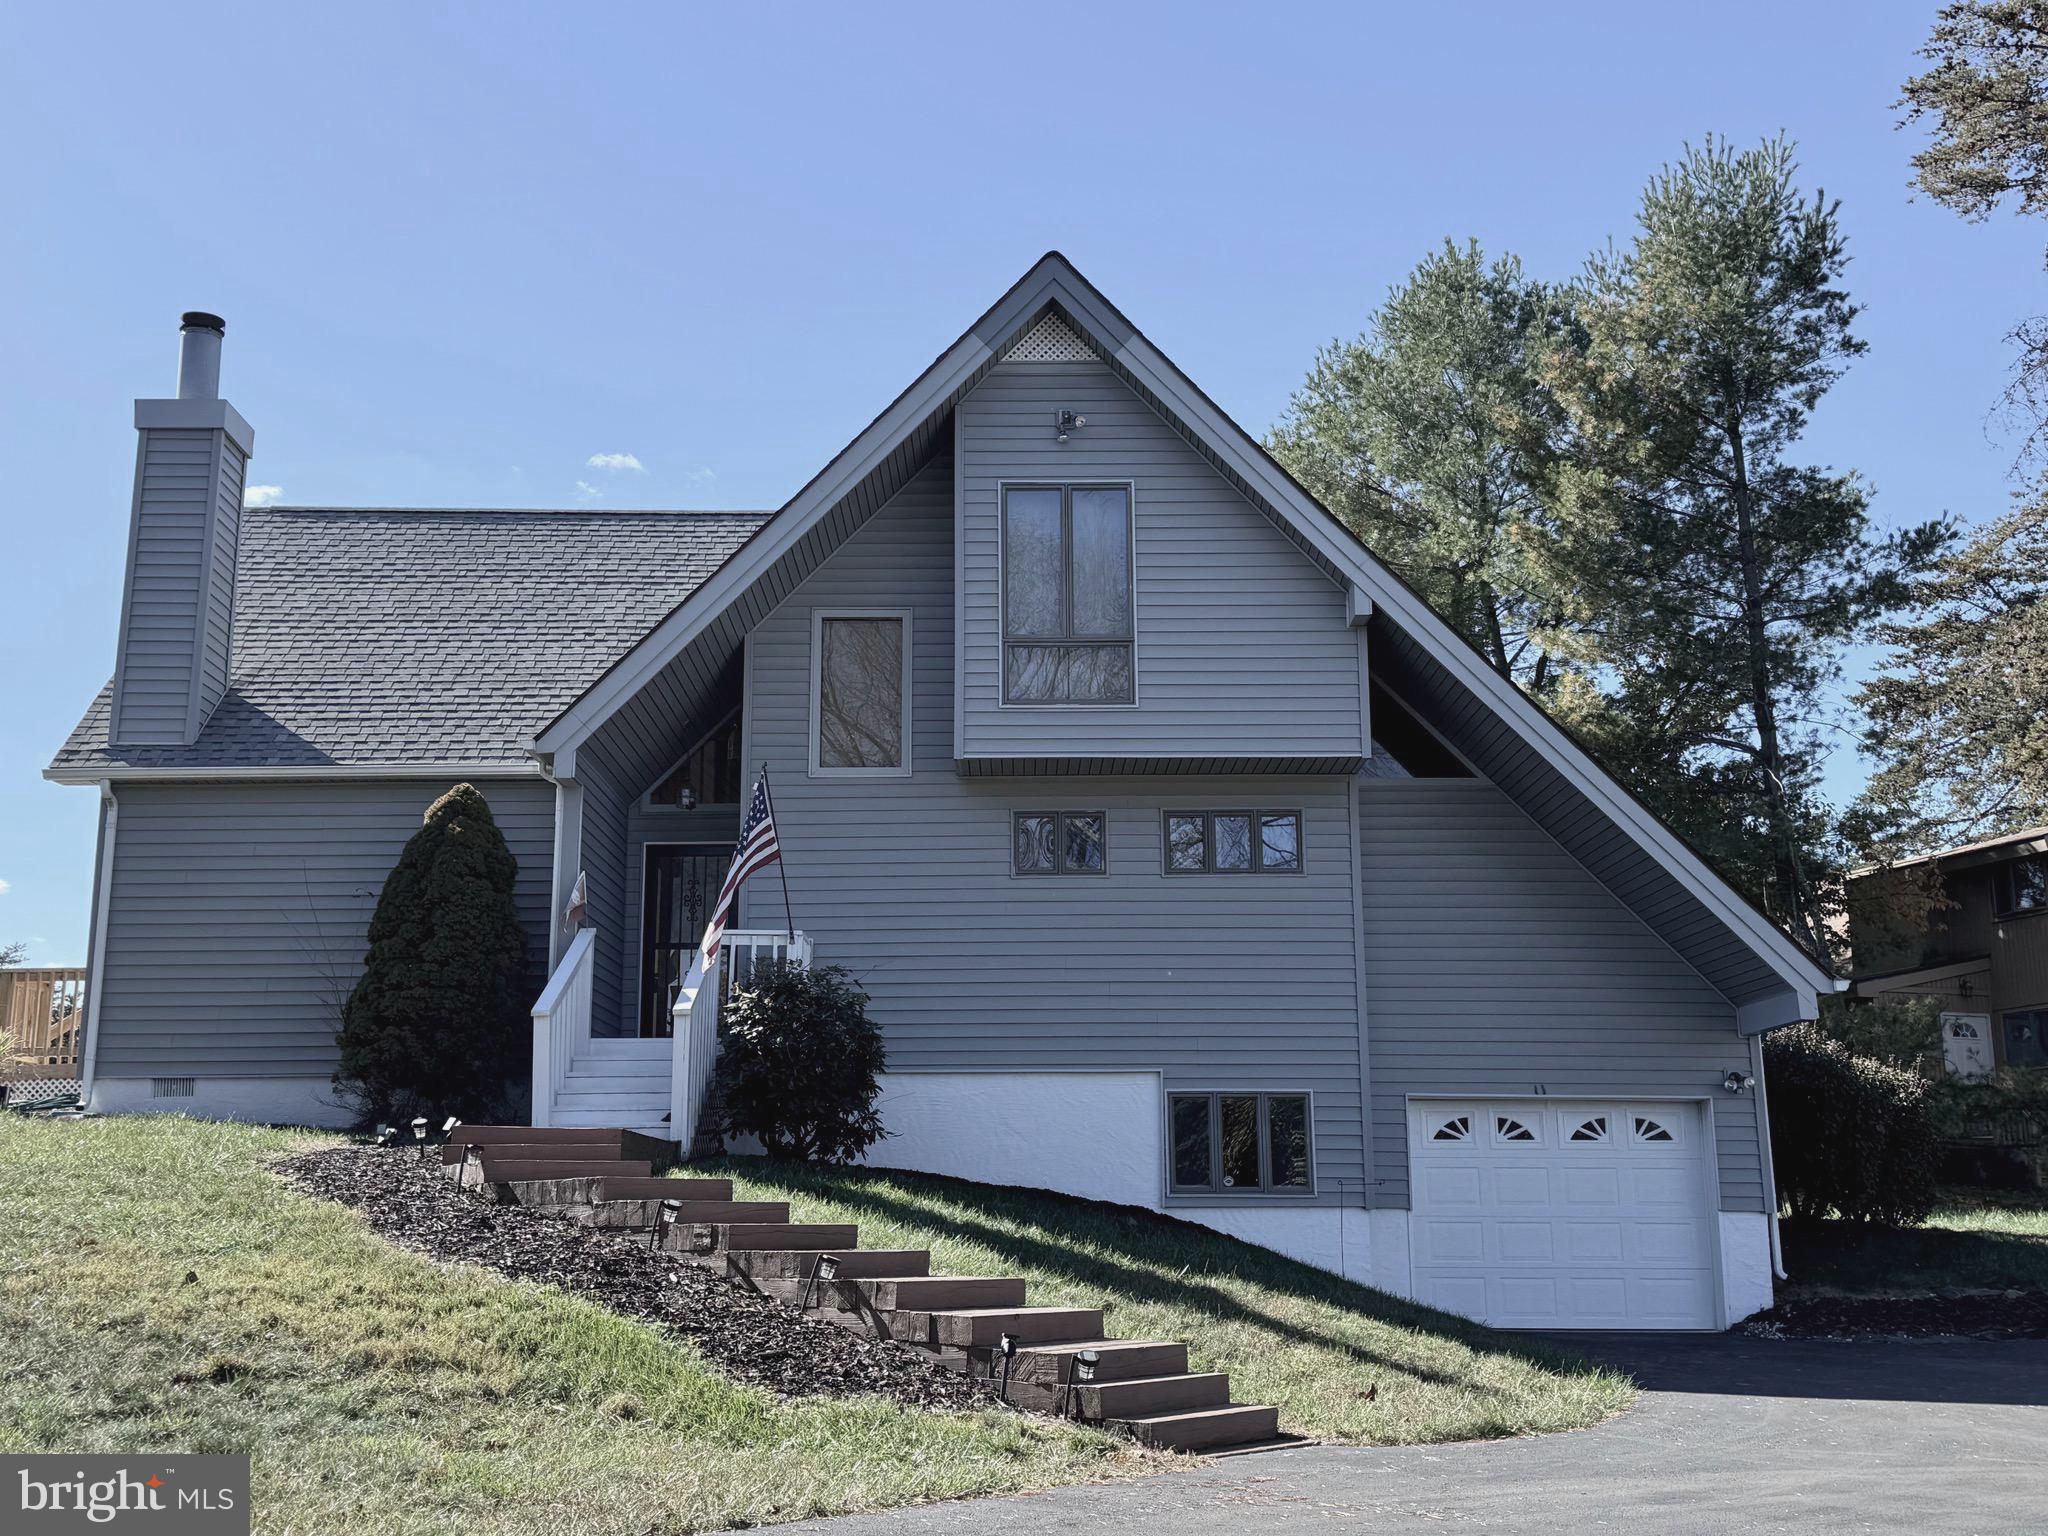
96 959
1763 1124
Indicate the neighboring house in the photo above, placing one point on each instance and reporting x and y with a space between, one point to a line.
1189 860
1967 927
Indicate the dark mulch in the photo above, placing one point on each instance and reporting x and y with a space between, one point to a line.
1952 1314
410 1202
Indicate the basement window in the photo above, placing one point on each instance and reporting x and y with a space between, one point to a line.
1240 1143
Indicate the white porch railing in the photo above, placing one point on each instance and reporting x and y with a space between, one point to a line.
696 1019
561 1022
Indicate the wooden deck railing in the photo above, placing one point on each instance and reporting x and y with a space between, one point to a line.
42 1022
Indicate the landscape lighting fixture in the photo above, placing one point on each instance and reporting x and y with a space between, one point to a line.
449 1127
670 1213
826 1268
387 1135
419 1133
1007 1345
1738 1082
1080 1371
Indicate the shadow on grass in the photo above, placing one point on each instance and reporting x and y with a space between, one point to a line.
1139 1256
1878 1261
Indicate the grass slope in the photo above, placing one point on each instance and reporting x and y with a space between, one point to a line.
1976 1239
1296 1337
160 1289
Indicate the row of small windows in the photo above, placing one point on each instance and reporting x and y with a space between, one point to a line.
1644 1128
1196 842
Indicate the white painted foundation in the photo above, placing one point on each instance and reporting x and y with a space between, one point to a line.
1745 1265
1092 1134
1099 1135
255 1100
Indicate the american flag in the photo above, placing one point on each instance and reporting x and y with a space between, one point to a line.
757 850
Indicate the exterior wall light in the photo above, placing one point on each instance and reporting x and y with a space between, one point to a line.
1065 424
1738 1082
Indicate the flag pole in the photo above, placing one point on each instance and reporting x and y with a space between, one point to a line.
781 863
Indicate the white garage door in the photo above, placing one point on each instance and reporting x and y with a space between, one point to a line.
1537 1213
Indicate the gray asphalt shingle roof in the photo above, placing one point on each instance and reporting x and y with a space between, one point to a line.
367 636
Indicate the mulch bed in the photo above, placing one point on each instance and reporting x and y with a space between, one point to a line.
410 1202
1953 1314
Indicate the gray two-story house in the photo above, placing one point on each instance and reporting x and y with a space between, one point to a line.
1188 859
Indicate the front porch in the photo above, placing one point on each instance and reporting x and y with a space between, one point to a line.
653 1085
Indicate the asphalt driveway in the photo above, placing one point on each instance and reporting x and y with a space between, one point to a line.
1731 1434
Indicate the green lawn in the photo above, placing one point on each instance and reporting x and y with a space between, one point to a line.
1289 1335
380 1392
1975 1240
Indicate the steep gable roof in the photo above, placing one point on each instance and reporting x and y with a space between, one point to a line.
1733 944
387 639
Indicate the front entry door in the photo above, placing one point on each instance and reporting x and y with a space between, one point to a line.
682 883
1966 1044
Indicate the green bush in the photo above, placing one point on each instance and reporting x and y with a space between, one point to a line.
1903 1032
1850 1136
436 1023
801 1063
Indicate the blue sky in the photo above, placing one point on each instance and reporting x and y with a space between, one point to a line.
464 250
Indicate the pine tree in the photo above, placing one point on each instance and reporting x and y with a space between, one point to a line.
1959 711
434 1023
1985 99
1428 435
1712 576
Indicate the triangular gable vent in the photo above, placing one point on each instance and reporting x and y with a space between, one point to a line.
1052 340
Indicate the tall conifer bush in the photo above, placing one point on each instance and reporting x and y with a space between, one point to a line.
433 1026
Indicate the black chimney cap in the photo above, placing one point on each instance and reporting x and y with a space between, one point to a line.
199 319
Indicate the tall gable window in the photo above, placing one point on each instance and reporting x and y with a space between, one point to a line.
860 694
1067 606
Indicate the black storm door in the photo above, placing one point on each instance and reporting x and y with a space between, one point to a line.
682 883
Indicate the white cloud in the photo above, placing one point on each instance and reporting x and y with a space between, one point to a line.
701 476
262 495
616 462
585 491
5 887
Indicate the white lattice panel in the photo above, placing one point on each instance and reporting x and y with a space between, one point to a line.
1052 340
31 1089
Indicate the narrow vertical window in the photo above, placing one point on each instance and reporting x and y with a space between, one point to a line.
860 718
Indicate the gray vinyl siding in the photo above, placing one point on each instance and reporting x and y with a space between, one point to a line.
239 913
1499 751
607 803
1215 982
173 656
1494 962
218 612
1242 646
